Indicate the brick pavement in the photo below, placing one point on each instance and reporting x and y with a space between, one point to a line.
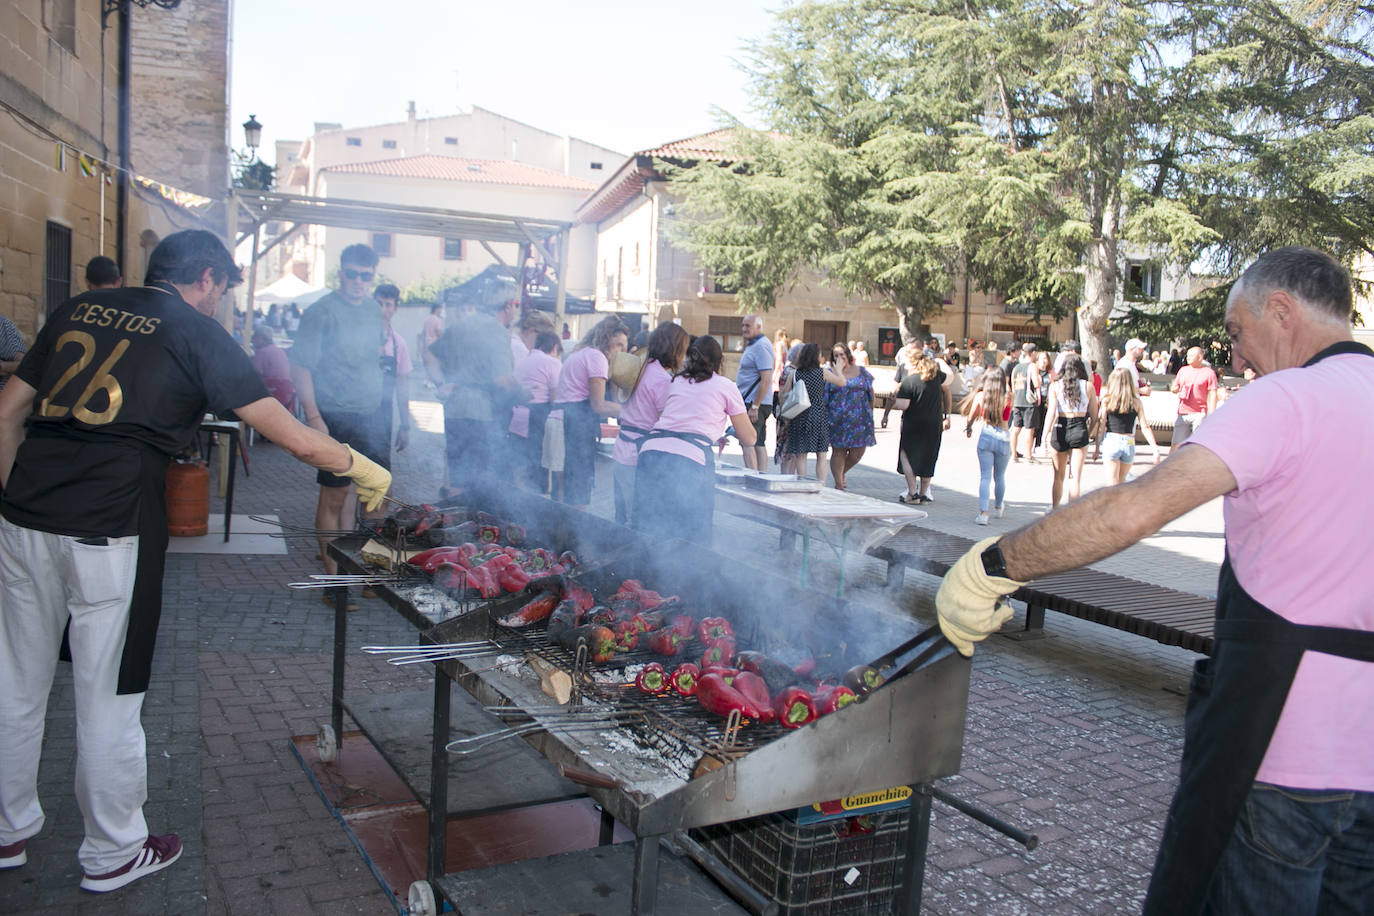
1074 737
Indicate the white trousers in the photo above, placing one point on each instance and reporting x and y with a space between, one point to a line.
44 578
1185 424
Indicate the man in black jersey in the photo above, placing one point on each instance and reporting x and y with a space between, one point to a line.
116 381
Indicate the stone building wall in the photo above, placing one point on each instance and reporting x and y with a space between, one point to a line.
180 113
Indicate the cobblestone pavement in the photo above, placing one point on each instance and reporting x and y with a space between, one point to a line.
1074 737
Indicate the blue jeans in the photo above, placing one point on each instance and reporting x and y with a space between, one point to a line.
994 451
1298 852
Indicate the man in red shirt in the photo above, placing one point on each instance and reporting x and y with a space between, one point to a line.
1196 387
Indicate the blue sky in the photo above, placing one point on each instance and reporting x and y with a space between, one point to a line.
622 73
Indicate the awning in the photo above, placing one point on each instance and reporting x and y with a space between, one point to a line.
289 288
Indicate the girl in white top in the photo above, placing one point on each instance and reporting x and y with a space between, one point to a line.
666 350
1071 402
675 480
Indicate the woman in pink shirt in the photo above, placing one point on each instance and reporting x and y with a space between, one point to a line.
666 350
538 374
582 398
675 482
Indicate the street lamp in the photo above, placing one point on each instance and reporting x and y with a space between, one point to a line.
252 133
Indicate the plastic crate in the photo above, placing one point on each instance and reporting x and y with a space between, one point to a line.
817 869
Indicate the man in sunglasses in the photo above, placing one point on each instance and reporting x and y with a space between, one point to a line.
339 382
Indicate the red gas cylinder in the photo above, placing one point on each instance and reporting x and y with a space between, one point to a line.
188 499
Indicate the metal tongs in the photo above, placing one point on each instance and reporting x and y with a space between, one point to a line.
324 580
575 719
436 652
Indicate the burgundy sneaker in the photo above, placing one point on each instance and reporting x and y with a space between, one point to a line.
157 853
13 855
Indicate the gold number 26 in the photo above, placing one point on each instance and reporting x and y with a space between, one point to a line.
103 381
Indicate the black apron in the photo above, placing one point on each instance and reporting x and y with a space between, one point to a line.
145 607
1234 703
694 516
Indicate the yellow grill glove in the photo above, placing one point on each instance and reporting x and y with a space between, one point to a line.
969 602
371 478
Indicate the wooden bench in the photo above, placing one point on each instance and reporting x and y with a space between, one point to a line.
1166 615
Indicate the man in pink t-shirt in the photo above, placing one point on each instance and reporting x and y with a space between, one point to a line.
1275 806
1196 387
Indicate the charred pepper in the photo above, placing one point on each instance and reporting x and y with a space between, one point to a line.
626 636
753 686
863 679
600 642
665 642
830 699
533 611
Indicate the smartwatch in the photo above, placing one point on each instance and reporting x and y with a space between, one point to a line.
994 564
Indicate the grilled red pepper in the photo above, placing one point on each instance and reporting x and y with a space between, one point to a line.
863 678
513 579
718 652
515 534
778 675
727 673
630 587
684 679
583 596
600 642
795 707
626 636
805 667
720 698
624 606
832 698
429 560
483 581
653 679
714 628
548 584
533 611
568 560
665 642
600 614
754 687
649 598
488 534
684 625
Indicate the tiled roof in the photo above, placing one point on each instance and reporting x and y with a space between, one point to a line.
452 168
712 145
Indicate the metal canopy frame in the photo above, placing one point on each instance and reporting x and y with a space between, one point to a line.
250 210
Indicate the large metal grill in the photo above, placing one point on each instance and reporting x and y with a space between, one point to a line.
908 732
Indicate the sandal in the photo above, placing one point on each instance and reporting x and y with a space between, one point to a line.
908 498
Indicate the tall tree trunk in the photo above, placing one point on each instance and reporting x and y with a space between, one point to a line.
1100 281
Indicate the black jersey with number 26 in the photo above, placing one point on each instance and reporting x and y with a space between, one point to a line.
122 376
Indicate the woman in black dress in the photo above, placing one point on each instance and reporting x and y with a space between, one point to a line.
809 431
925 404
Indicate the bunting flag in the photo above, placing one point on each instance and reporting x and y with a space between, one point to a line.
61 162
87 165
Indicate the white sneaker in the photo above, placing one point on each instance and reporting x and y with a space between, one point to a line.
982 518
1001 511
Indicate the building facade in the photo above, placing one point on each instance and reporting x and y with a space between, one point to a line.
59 79
642 274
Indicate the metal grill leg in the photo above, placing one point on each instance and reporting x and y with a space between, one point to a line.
438 778
340 642
607 831
646 876
908 903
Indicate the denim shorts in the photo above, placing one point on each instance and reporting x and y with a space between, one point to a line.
1118 447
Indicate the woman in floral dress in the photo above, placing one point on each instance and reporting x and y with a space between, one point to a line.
849 399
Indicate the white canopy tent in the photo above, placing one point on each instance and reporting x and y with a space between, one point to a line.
289 288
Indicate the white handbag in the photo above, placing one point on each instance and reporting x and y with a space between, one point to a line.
798 401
